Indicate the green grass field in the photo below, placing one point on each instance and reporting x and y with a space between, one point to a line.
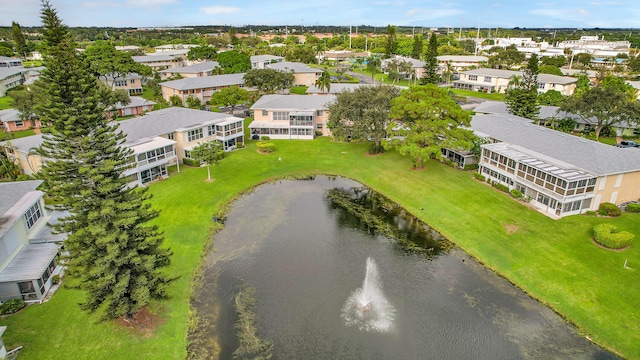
481 95
552 260
5 102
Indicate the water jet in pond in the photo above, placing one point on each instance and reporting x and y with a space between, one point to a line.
367 308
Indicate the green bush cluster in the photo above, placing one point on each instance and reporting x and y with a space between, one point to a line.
11 306
191 162
516 193
499 186
264 137
479 176
470 167
265 147
609 236
609 209
55 279
375 149
633 208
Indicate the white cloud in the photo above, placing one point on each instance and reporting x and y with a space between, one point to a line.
219 9
150 3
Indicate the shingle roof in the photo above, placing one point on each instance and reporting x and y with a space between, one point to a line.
291 102
499 107
150 58
295 66
592 156
135 101
25 144
9 115
160 122
6 72
205 82
12 192
29 263
257 58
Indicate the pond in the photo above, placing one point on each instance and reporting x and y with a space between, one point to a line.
339 272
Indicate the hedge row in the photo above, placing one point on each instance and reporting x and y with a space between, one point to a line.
609 209
609 236
633 208
265 147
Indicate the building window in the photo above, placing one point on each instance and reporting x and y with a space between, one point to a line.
187 153
319 113
473 77
265 113
280 115
487 79
19 123
120 83
33 214
541 86
171 136
211 130
319 126
194 135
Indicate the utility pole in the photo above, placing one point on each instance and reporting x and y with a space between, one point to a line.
475 52
350 36
460 35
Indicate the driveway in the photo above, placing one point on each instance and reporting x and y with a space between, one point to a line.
364 79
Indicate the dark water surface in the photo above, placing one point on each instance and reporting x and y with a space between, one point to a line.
305 256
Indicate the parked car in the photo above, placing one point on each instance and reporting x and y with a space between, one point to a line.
627 144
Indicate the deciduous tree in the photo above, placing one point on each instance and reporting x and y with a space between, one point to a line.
425 120
269 81
107 63
230 97
522 98
210 152
233 62
117 256
204 52
362 113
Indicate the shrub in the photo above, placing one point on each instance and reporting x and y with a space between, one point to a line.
479 176
11 306
500 187
191 162
55 279
265 147
373 149
264 137
318 133
516 193
609 236
591 213
609 209
633 208
470 167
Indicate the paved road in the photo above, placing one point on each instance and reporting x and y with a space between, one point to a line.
364 79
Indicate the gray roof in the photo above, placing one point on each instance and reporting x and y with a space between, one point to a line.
499 107
295 66
9 115
335 88
128 76
29 263
150 58
24 144
414 63
194 69
153 123
635 84
135 101
205 82
260 58
12 192
592 156
160 122
555 79
6 72
292 102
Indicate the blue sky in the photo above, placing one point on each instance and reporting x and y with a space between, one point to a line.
310 13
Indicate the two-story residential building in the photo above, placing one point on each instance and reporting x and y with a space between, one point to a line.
28 250
497 80
131 83
10 62
303 74
137 106
261 61
290 116
562 174
158 140
460 62
200 87
417 66
11 77
10 120
204 68
159 62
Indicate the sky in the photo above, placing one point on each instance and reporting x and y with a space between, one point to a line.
313 13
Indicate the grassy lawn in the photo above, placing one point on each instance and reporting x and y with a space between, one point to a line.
482 95
16 134
5 102
299 90
552 260
382 78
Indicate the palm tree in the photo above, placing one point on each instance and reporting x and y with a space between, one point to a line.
324 81
372 65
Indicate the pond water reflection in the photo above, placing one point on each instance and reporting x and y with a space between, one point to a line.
305 254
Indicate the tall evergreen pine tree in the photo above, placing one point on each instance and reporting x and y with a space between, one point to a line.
431 63
113 251
522 99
